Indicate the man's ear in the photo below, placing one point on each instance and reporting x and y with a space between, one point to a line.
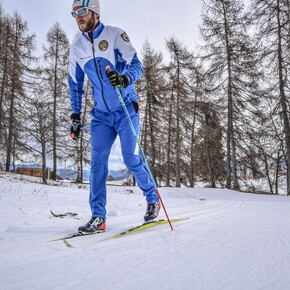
97 17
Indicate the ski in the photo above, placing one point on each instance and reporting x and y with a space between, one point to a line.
78 234
145 226
75 235
129 231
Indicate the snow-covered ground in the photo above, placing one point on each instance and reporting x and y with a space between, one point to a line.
231 240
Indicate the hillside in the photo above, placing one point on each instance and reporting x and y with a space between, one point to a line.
231 240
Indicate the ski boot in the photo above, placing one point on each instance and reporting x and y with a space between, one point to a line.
95 225
152 212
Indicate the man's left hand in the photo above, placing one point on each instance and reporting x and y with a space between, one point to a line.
116 80
76 126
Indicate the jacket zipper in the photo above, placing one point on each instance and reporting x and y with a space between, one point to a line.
99 73
100 69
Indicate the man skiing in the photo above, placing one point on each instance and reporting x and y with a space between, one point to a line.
98 47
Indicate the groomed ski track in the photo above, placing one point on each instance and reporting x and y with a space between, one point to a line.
231 240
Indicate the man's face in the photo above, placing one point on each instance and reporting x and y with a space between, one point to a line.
87 22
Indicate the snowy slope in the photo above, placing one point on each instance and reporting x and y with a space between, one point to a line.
231 240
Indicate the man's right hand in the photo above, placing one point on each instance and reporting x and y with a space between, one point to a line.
76 126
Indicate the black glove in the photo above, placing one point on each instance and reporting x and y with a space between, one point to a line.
76 126
118 81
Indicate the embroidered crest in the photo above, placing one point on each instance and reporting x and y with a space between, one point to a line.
125 37
103 45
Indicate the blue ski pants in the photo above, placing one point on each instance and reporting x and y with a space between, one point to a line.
104 129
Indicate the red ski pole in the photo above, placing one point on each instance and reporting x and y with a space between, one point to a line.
164 208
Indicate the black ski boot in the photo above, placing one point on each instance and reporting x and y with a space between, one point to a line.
152 211
95 225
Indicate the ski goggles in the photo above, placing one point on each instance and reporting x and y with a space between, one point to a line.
81 12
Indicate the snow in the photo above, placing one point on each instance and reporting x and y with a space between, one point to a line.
232 240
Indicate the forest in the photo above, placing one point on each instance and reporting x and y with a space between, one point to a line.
217 115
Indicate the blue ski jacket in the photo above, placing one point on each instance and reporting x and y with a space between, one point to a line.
110 46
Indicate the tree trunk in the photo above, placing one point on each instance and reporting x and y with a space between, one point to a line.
80 151
277 173
169 141
268 172
3 83
230 104
43 157
235 164
177 140
152 137
191 177
145 128
54 121
10 131
12 103
283 99
207 151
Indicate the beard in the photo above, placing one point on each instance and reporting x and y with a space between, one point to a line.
90 25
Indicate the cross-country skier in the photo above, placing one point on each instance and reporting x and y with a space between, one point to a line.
97 47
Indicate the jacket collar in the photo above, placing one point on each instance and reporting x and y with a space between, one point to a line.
96 33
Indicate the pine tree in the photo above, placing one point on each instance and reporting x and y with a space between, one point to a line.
177 69
230 56
272 21
19 57
5 39
198 87
209 146
38 123
151 90
83 146
56 57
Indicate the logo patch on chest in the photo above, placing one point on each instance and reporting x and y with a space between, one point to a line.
125 37
103 45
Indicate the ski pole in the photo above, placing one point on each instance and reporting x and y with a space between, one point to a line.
140 147
86 128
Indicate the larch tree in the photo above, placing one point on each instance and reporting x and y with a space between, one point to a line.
151 91
56 68
19 57
229 54
271 18
177 70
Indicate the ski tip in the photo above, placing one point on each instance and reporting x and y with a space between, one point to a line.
67 243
